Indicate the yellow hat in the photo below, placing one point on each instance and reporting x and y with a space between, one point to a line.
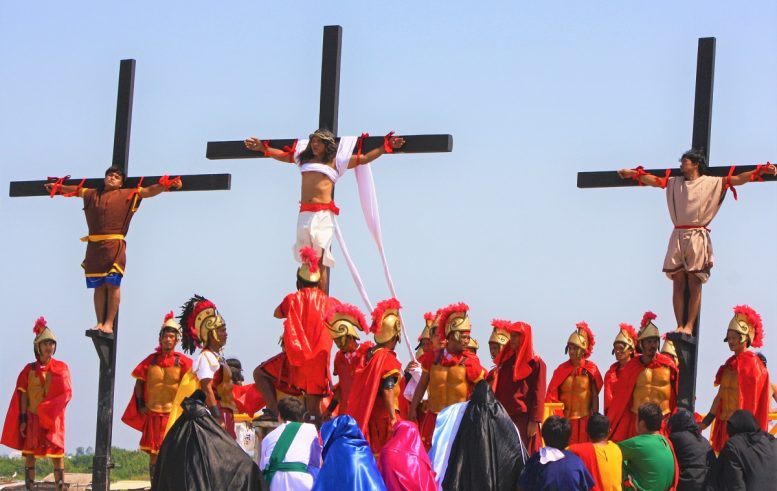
200 318
386 324
169 323
626 335
309 270
647 329
473 344
42 333
583 338
345 320
669 349
454 319
500 335
748 324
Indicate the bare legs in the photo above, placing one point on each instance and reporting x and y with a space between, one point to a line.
264 384
59 471
106 306
680 281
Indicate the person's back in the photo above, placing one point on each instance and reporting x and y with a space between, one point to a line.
648 458
749 459
601 457
694 453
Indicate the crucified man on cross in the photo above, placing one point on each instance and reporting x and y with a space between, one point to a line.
693 200
108 214
320 167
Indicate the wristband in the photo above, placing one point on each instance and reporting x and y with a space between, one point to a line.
139 402
332 405
708 419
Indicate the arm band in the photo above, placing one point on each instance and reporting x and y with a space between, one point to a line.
215 412
22 418
708 419
139 402
332 405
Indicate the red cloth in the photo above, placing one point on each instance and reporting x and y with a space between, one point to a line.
279 369
316 207
587 454
610 385
364 405
753 380
153 432
345 366
404 463
523 399
622 419
51 411
131 416
305 335
525 354
248 399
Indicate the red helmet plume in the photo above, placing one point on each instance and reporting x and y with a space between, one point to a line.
446 312
347 309
754 319
591 340
39 326
649 316
380 309
309 257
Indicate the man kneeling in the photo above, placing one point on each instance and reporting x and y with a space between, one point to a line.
291 453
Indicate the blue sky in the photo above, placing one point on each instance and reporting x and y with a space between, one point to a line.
532 92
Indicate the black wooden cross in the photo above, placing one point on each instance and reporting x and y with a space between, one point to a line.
330 94
687 346
105 345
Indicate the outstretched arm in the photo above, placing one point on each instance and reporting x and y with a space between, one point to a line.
745 177
64 189
253 143
155 189
395 142
644 178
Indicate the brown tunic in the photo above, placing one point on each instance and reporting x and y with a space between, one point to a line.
107 213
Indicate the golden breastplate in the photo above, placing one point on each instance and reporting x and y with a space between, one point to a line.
653 385
729 393
575 393
161 386
447 385
224 389
36 391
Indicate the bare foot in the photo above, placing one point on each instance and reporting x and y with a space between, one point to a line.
97 327
107 328
684 330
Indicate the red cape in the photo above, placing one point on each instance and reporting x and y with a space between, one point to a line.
610 384
753 380
565 370
248 399
51 411
305 335
131 416
361 401
622 422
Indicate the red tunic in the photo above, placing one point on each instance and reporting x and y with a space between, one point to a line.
306 340
107 213
346 365
753 382
45 432
622 419
610 384
152 424
523 399
561 373
365 404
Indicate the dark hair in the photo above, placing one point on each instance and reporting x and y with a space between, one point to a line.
598 427
697 157
762 357
291 409
237 370
331 147
556 432
116 170
651 414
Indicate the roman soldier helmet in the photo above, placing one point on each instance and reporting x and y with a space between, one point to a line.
500 334
583 338
747 323
626 335
454 320
386 324
42 333
426 333
169 324
669 349
345 320
473 344
200 317
647 329
309 271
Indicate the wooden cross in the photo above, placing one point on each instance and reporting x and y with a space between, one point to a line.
329 102
686 346
105 344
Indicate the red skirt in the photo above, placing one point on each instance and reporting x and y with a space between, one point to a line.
36 441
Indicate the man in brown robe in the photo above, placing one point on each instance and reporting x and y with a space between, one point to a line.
108 214
693 200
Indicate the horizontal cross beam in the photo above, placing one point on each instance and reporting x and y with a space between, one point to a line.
196 182
413 144
610 179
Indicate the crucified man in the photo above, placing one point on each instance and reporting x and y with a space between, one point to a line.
320 170
693 200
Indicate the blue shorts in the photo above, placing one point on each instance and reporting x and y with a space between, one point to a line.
112 279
